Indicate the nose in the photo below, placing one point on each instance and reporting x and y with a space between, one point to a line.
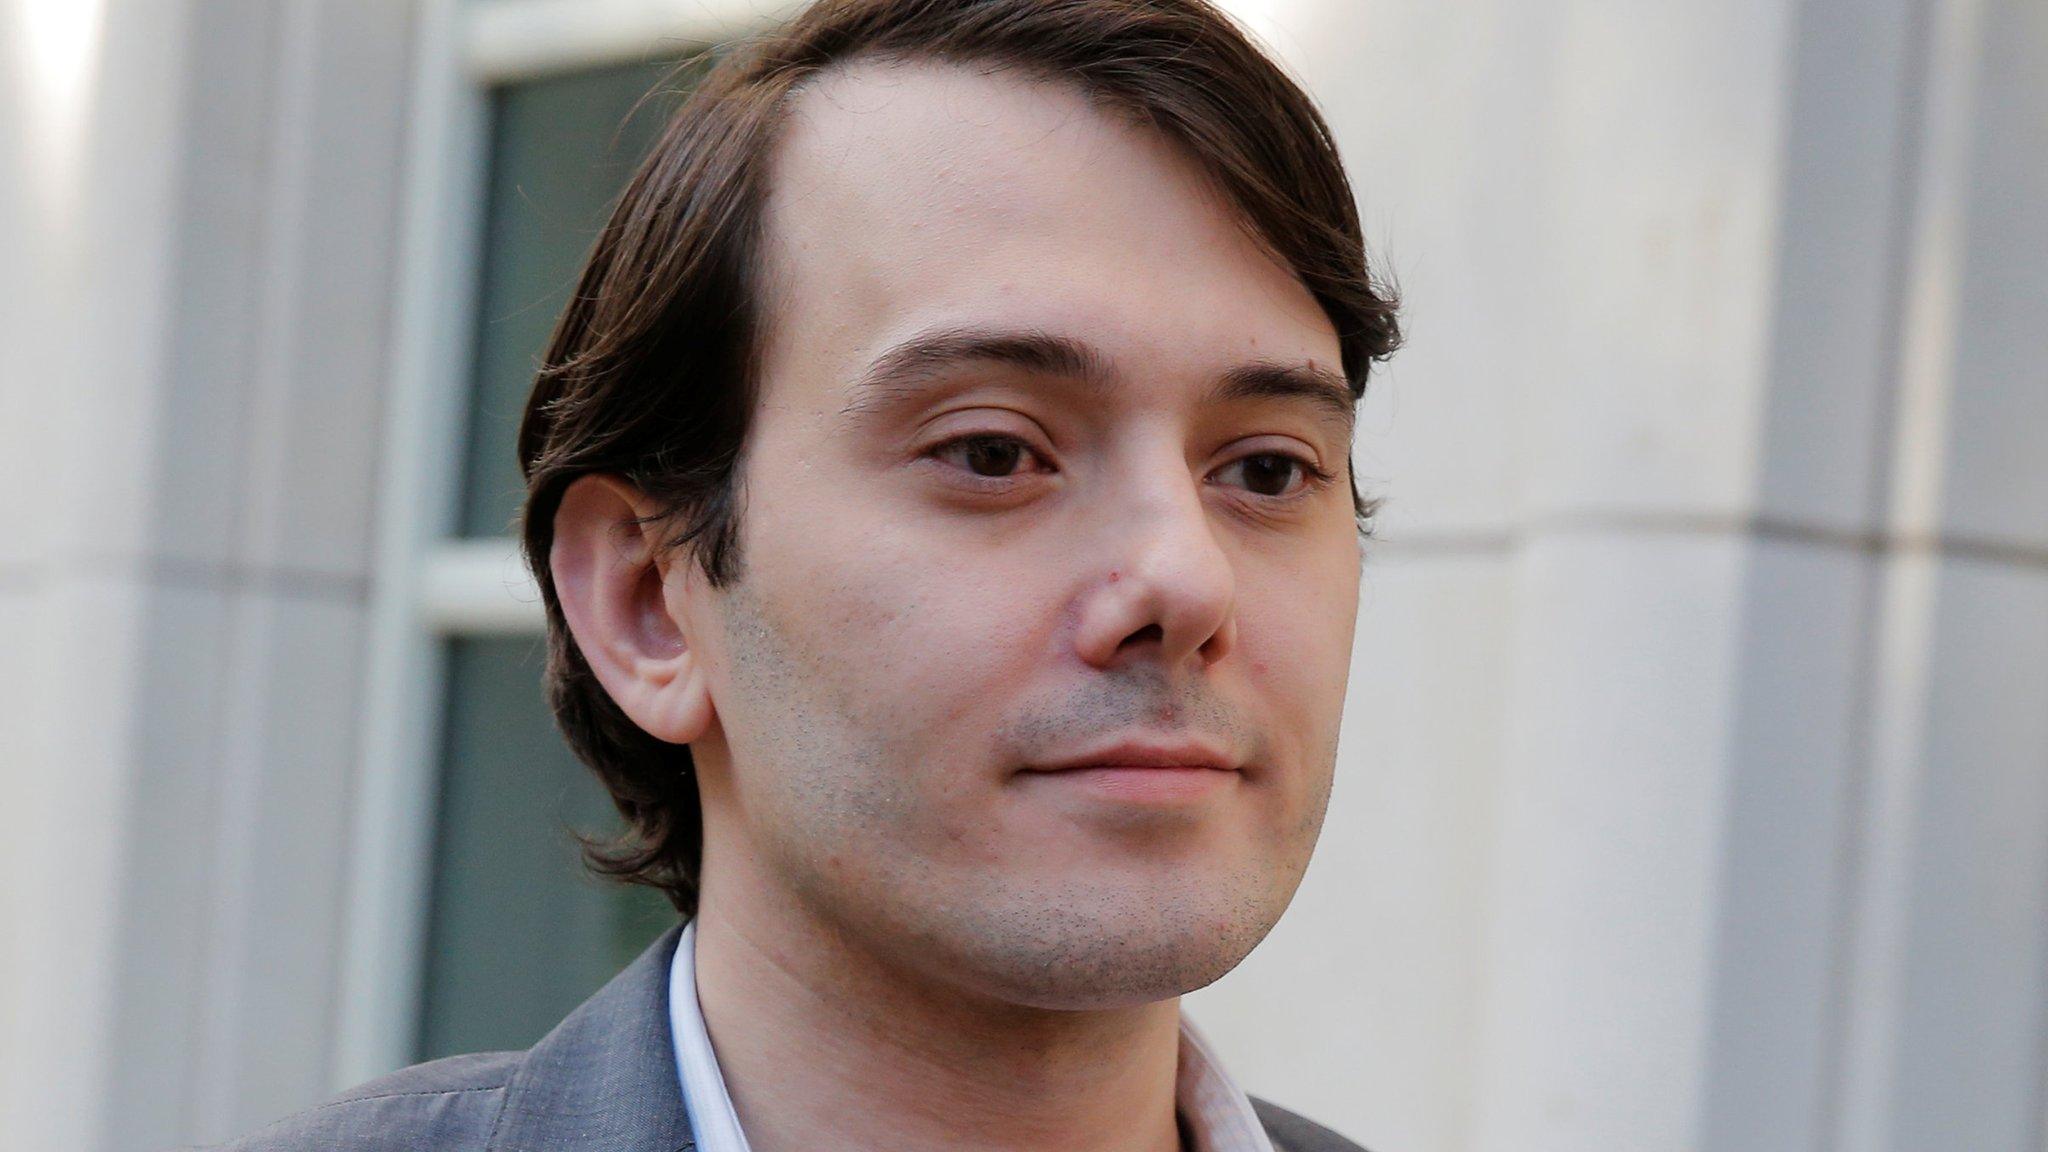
1167 583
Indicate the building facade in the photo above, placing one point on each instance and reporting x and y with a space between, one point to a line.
1694 787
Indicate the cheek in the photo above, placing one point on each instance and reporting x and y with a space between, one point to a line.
878 724
1296 629
916 645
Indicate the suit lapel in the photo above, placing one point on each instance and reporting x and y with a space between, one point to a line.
606 1076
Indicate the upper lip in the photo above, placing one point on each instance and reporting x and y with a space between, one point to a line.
1146 752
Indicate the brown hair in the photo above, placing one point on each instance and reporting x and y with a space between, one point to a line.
651 371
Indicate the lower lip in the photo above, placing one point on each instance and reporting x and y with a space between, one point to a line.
1145 785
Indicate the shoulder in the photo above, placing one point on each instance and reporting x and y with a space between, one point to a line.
442 1104
1292 1133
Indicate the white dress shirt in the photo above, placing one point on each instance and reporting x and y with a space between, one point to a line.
1216 1113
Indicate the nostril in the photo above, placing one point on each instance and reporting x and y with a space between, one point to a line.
1148 632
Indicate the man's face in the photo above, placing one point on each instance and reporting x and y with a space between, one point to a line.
1034 482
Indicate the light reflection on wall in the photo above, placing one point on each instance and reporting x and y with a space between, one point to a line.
58 41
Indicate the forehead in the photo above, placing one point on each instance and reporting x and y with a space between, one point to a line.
911 197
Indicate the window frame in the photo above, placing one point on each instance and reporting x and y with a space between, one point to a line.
429 584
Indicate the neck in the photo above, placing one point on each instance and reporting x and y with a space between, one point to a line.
825 1045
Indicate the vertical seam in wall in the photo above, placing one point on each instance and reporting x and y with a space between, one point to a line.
2040 1081
1910 112
208 1062
249 621
157 572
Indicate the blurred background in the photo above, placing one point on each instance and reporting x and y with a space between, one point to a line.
1694 789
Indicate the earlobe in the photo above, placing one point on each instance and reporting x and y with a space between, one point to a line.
677 708
609 576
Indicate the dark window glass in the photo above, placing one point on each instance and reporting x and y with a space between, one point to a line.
519 932
561 149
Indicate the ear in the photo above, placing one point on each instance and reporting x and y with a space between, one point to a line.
611 577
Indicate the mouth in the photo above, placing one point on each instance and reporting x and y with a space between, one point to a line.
1144 771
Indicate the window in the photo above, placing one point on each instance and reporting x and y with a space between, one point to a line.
517 933
474 925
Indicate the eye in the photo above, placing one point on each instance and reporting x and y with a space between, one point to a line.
1275 475
987 455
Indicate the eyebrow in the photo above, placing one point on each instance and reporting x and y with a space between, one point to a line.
915 362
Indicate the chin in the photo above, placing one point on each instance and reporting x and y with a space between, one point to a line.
1105 950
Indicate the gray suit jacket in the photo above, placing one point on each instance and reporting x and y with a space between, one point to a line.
604 1079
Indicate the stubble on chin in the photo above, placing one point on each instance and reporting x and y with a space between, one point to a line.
861 852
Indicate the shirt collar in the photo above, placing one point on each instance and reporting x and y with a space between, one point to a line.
1215 1112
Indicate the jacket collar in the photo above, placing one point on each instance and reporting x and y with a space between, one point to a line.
606 1076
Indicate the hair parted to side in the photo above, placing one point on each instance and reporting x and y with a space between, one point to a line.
651 373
